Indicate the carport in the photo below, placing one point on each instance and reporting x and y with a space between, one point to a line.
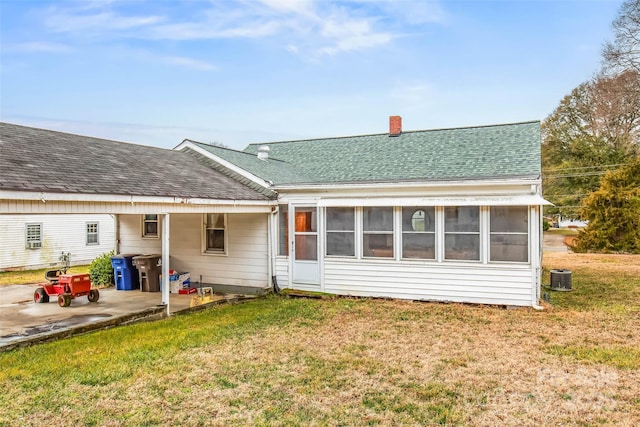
48 172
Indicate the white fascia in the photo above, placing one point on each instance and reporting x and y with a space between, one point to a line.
410 184
120 198
223 162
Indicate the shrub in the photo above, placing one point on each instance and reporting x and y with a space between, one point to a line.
101 271
545 225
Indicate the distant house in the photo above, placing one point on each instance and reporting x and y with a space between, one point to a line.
37 241
443 215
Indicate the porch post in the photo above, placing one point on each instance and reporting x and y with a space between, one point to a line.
166 219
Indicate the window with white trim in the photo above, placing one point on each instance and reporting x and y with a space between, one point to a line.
33 236
150 226
215 233
377 232
92 233
462 233
509 233
340 230
418 232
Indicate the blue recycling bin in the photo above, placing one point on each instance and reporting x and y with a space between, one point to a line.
125 273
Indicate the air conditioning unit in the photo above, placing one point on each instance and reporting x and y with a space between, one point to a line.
34 245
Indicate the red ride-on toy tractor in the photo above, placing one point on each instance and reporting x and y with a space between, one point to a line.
66 287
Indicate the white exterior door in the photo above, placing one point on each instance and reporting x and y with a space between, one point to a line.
304 245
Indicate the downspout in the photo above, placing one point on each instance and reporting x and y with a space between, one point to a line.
273 218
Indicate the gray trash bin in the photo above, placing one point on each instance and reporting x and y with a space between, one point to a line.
148 272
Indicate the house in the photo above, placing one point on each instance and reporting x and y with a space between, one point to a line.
163 201
38 241
444 215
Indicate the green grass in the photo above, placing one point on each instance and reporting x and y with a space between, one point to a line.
563 231
28 277
621 357
619 292
345 361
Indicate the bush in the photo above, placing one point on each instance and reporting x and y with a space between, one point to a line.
545 225
101 271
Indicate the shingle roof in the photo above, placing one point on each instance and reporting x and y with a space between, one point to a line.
497 151
274 170
43 160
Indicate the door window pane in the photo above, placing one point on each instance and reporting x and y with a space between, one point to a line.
307 247
306 220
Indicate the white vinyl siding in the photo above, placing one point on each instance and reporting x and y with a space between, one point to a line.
59 233
456 282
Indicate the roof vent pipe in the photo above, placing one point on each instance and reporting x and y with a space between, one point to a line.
395 125
263 152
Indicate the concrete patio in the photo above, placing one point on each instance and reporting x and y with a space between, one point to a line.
23 322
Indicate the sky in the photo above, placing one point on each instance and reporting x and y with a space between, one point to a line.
236 72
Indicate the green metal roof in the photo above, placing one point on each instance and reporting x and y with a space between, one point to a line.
497 151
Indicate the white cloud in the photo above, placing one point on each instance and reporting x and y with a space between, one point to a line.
190 63
38 47
71 21
307 28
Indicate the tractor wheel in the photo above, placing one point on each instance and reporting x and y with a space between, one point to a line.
64 300
40 296
94 295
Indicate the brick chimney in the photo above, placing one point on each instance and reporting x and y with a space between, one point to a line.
395 125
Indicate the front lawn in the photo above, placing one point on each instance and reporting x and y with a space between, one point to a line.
341 361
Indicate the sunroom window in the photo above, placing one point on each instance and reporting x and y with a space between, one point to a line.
418 232
377 232
462 233
340 231
509 235
283 230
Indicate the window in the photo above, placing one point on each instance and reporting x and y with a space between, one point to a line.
92 233
33 236
377 232
283 230
306 234
341 232
150 226
462 233
215 236
418 232
509 234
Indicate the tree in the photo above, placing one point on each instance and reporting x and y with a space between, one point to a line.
594 129
624 52
613 212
